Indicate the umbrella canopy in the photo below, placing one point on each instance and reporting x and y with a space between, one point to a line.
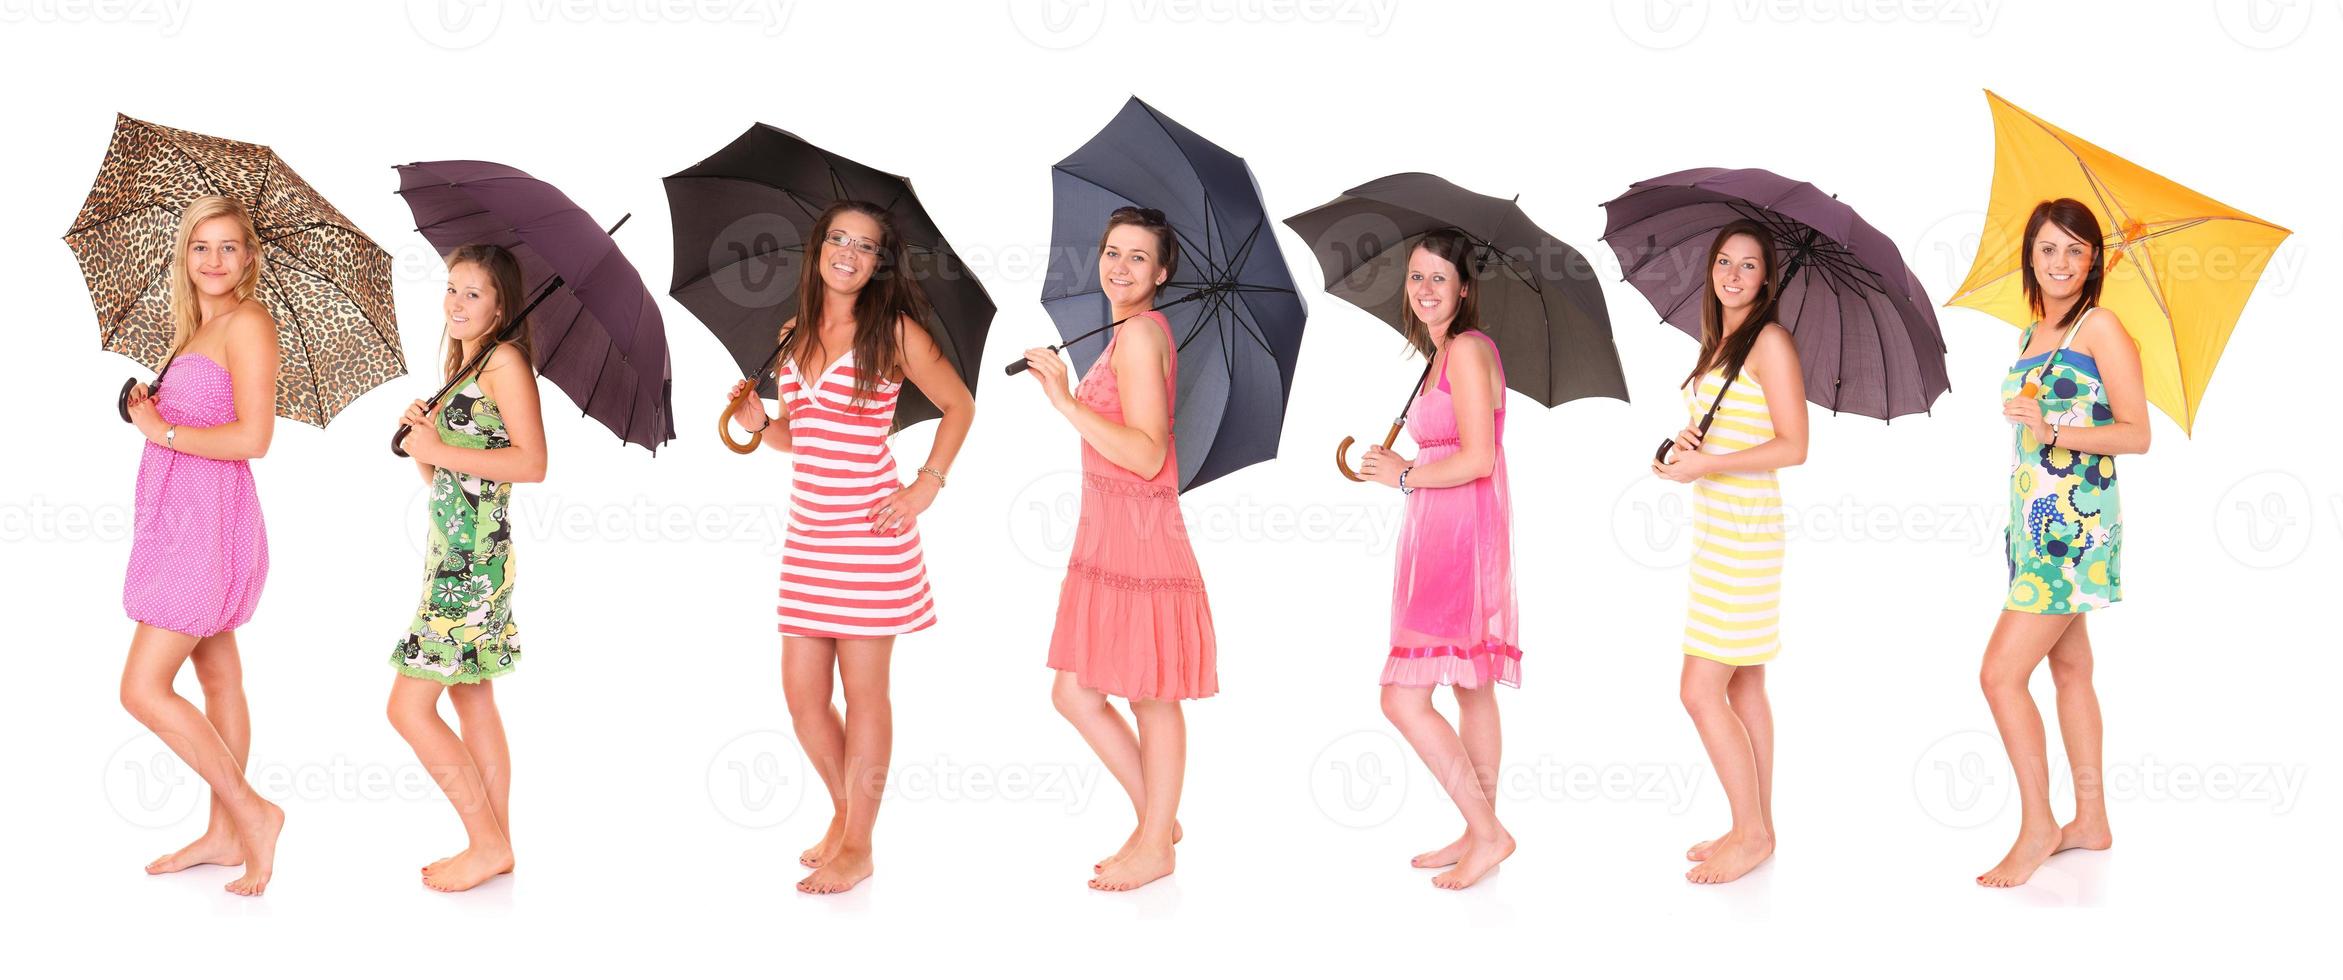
741 218
1539 299
2179 267
1867 337
327 285
595 327
1234 313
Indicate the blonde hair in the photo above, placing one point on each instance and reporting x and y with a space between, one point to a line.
185 314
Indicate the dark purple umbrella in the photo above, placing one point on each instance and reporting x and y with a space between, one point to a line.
595 326
1865 329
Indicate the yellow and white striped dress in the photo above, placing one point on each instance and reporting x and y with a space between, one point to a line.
1736 533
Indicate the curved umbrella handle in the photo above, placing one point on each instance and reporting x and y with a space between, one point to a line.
724 425
399 440
1342 452
122 401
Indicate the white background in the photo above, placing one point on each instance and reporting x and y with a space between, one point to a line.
659 800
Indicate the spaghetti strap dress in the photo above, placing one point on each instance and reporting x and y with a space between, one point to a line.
1454 619
839 578
463 630
1732 613
2064 540
1133 618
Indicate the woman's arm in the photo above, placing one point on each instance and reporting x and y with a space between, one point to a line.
512 384
1472 385
1142 441
1773 363
925 368
252 367
2118 358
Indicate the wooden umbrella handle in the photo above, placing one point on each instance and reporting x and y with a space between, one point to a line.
1342 452
724 425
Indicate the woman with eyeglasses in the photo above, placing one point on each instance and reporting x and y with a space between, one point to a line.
852 574
1133 621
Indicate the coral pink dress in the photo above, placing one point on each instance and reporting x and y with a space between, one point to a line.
198 550
1453 619
1133 620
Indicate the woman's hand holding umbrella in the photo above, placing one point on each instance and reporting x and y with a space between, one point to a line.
138 408
745 409
1050 373
420 428
1689 463
1379 465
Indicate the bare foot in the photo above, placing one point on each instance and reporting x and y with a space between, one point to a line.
470 868
1730 857
844 868
813 857
1445 856
2034 846
1700 852
1480 857
212 848
1142 865
260 849
1130 844
2093 836
433 867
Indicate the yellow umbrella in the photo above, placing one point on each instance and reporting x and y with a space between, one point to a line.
2179 264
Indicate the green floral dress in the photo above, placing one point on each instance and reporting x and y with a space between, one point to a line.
463 631
2064 541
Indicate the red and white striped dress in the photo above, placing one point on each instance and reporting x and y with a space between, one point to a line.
838 578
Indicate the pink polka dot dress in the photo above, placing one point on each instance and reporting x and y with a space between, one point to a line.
198 551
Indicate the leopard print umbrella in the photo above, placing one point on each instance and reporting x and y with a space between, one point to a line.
325 282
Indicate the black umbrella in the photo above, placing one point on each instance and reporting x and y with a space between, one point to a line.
1538 297
1234 313
595 327
1865 329
741 218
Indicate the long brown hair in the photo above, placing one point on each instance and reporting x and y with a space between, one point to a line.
1715 348
1456 248
2075 218
880 306
186 314
504 273
1167 252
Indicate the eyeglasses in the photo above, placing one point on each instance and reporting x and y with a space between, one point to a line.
843 240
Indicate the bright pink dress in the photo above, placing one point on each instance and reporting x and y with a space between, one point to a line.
1133 620
1453 618
198 550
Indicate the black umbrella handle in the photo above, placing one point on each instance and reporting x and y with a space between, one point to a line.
122 403
154 389
1019 364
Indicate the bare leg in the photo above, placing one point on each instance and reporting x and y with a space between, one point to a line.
869 746
1746 693
1117 746
483 737
1442 749
2079 726
1163 764
1476 724
155 656
807 664
221 673
414 711
2020 641
1733 754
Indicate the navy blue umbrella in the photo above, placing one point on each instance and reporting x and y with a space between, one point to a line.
1233 309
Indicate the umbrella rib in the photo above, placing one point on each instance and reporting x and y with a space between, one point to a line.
2147 273
308 357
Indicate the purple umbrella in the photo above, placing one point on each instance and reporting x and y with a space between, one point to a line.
596 328
1865 329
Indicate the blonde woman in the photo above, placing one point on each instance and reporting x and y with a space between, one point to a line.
199 550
